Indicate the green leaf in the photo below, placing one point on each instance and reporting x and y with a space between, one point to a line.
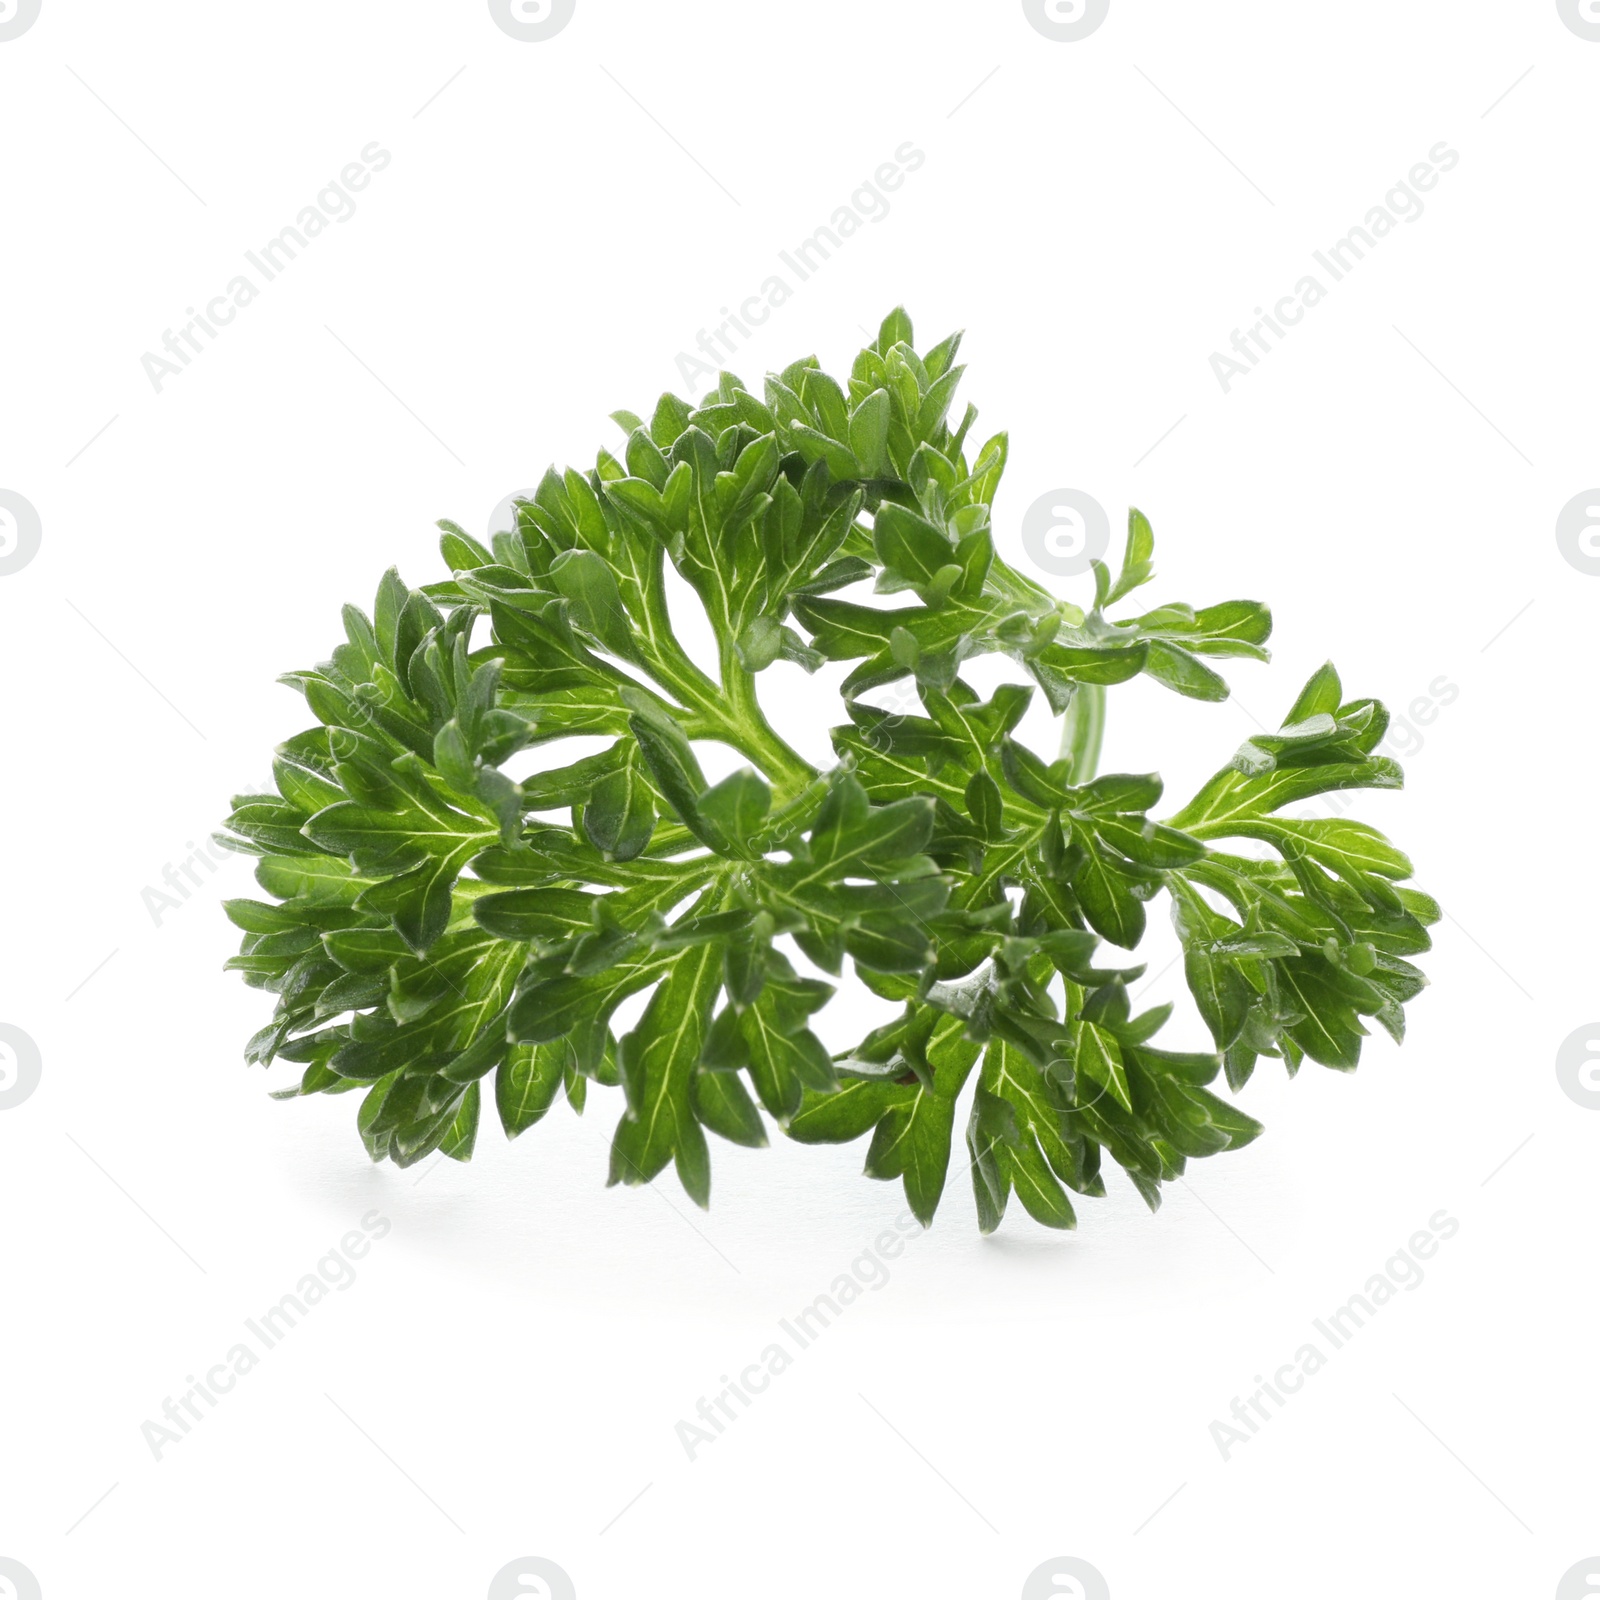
462 1137
912 551
1186 673
1107 897
724 1105
586 580
913 1142
620 815
1220 990
869 434
672 764
844 1114
1136 567
526 1083
737 806
912 1139
1320 697
895 329
659 1058
1097 1057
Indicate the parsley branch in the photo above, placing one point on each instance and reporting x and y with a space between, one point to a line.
431 928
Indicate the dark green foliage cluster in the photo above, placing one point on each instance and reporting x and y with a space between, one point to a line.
436 925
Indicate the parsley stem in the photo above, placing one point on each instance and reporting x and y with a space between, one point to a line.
1083 729
731 713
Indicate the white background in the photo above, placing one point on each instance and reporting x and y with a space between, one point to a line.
557 223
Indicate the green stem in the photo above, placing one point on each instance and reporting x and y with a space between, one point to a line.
752 735
1083 729
730 713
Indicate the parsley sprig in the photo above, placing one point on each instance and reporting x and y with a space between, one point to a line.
437 925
